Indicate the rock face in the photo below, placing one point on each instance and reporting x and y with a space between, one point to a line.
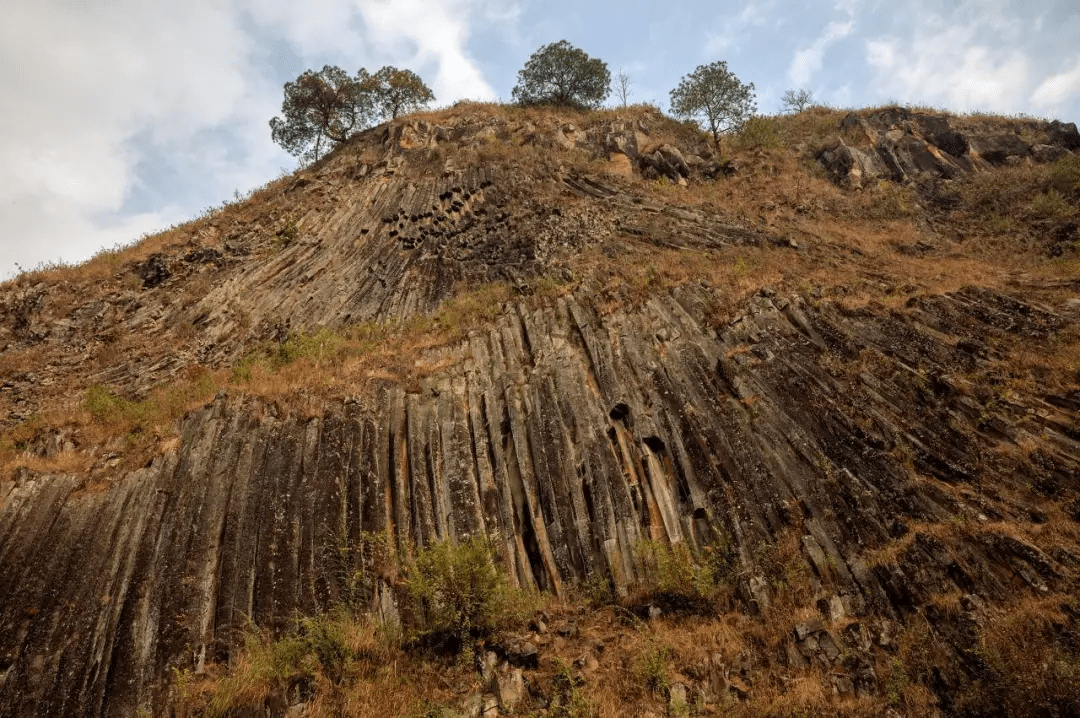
568 436
565 429
897 144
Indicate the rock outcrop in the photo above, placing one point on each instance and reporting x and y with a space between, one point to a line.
896 144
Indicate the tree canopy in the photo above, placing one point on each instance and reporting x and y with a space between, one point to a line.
397 91
322 109
713 95
561 74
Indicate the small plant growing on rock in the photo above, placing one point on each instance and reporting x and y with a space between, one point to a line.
677 574
653 669
456 592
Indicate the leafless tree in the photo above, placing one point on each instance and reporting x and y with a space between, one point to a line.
622 86
797 100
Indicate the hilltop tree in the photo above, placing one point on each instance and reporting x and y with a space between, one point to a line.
712 95
797 100
397 91
321 109
562 75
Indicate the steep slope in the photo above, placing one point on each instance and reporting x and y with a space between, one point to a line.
569 337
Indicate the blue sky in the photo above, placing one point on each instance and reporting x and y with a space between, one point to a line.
125 116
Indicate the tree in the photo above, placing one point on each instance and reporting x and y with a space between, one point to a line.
714 96
622 86
560 74
321 109
397 91
797 100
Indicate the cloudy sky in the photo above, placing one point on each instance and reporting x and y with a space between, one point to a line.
123 117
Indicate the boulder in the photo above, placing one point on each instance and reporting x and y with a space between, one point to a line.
950 141
665 161
1064 135
510 689
154 271
1045 154
998 149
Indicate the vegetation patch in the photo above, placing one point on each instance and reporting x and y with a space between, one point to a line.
456 594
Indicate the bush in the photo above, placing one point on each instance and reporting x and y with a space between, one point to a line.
676 572
1064 175
759 131
456 592
1051 205
652 669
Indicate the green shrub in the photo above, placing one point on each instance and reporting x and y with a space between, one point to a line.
1051 205
891 201
455 592
674 570
652 669
360 563
265 665
110 408
758 131
317 346
1064 175
569 700
326 646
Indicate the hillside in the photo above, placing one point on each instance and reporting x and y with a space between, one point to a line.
836 364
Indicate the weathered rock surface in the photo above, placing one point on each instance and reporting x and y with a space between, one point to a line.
567 429
897 144
567 436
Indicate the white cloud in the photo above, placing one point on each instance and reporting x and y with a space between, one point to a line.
754 14
1052 92
84 82
436 34
807 61
96 85
979 55
947 67
426 37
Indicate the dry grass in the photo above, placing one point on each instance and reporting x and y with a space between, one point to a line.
1030 648
350 663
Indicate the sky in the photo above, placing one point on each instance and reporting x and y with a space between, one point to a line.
124 117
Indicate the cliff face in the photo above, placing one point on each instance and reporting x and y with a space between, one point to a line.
908 446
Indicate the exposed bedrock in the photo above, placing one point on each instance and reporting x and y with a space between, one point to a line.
566 436
897 144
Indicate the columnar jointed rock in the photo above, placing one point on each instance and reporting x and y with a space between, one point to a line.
566 436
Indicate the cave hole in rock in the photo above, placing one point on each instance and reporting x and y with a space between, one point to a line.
656 444
621 412
586 491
